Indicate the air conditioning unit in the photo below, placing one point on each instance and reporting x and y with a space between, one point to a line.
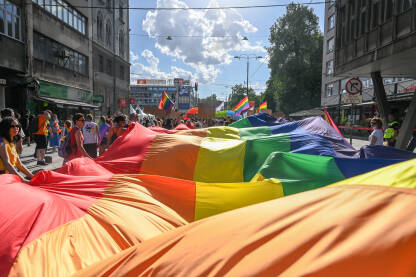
63 54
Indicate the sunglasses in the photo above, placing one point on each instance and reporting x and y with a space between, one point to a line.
14 126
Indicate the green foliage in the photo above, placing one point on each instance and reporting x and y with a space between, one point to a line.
295 60
239 92
211 98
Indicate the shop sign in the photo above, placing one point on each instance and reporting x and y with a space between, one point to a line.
410 89
49 89
132 101
353 99
141 82
98 98
122 102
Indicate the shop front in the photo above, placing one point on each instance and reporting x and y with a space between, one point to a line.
63 100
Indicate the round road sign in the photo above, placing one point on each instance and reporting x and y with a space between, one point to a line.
354 86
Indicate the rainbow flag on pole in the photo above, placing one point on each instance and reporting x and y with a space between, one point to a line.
331 122
241 106
165 103
262 107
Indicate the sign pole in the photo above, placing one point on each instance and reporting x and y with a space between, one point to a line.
352 122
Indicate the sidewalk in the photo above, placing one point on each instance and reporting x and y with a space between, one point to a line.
29 160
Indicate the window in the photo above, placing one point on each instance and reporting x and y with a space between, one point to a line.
121 43
374 16
330 45
108 4
65 13
121 72
353 20
100 26
331 22
10 19
108 33
330 67
329 89
100 63
109 67
404 5
55 53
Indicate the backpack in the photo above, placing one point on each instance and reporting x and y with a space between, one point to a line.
65 148
34 125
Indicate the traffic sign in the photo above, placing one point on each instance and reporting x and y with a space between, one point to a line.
354 86
353 99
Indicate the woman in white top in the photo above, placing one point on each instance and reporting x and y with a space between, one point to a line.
376 137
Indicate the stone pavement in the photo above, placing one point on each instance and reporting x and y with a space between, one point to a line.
29 160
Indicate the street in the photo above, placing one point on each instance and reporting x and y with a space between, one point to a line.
29 160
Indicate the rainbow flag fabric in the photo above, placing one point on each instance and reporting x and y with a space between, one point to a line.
165 103
87 217
262 107
241 106
330 121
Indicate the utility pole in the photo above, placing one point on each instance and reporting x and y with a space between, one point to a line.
248 56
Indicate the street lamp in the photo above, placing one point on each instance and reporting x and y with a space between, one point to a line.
247 57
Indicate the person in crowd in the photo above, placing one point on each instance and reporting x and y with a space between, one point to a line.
189 124
67 129
18 139
103 128
133 118
91 136
9 158
376 137
41 137
391 133
25 126
117 130
76 139
54 136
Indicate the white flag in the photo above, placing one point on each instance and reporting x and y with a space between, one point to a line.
220 107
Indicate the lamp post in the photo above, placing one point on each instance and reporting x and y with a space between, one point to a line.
247 57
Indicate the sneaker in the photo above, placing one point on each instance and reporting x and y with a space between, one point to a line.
41 163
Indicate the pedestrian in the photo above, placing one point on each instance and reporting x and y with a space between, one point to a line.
18 139
9 158
103 127
76 139
117 130
376 137
25 126
54 136
67 129
133 118
391 133
91 136
41 137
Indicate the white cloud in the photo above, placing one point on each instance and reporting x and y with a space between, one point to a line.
203 52
146 66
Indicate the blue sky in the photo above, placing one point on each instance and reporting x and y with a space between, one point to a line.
195 51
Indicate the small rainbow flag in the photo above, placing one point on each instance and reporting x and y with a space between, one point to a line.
241 106
330 121
262 107
165 103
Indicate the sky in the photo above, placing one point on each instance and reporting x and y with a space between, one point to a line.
204 42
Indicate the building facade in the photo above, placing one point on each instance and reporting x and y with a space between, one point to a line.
111 67
399 87
149 92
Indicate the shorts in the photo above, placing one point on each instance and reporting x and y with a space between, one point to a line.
91 149
41 141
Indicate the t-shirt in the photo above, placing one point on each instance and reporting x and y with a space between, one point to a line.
90 132
11 151
42 123
378 134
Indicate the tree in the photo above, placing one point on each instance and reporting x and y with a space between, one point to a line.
238 92
295 60
212 98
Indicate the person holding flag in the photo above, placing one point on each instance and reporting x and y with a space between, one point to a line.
262 107
165 103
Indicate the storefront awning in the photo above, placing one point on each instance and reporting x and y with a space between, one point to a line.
67 102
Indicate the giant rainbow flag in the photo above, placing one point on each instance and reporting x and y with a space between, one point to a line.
120 214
